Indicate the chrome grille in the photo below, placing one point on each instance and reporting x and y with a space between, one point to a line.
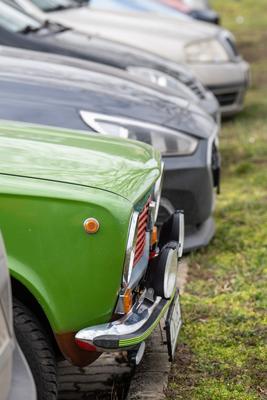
141 233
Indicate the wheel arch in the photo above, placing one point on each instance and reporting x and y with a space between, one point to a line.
25 296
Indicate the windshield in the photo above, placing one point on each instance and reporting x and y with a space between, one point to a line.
15 20
135 5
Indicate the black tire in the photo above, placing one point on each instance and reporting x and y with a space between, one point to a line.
35 344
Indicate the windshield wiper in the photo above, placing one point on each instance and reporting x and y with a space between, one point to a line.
30 29
57 8
73 4
52 27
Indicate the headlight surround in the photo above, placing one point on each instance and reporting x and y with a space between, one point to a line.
169 142
163 80
206 51
157 194
170 275
130 249
162 271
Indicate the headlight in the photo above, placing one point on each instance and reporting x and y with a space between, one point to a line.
164 80
154 76
206 51
167 141
162 271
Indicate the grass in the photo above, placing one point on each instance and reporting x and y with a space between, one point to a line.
223 347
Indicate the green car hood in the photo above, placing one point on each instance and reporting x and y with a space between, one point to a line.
123 167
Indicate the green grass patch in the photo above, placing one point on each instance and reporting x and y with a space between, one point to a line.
223 352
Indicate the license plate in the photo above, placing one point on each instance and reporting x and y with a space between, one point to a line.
173 325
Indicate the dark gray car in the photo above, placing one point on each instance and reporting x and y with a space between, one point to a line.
21 31
51 90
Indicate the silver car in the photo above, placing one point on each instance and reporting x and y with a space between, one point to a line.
208 50
16 382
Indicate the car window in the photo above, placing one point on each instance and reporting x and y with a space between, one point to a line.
15 20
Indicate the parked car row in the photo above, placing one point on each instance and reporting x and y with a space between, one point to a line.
110 118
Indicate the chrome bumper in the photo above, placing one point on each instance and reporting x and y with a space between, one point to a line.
129 331
159 289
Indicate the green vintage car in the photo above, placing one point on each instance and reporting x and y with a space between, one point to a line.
89 274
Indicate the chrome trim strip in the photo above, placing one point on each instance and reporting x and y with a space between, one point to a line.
130 249
157 193
140 268
181 235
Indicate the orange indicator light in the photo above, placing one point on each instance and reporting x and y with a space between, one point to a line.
91 225
154 236
127 301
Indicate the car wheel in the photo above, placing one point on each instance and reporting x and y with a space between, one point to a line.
37 349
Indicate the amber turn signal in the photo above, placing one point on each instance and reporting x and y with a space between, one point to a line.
154 236
91 225
127 300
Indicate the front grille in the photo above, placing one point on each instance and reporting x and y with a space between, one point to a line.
141 233
227 99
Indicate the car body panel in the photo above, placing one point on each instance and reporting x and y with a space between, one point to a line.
157 7
57 102
16 381
147 27
231 95
131 20
102 51
49 157
49 252
237 72
110 93
137 5
22 385
160 35
55 39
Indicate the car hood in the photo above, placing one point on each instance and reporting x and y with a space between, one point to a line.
94 49
97 89
146 23
123 167
164 36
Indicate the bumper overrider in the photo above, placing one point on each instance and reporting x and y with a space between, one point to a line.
159 293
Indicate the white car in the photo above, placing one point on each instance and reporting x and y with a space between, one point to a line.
16 381
209 50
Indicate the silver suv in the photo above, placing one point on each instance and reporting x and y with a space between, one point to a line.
16 382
